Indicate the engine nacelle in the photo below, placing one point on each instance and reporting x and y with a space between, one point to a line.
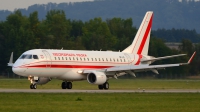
42 80
98 78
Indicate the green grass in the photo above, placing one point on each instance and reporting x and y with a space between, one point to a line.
96 102
128 84
102 102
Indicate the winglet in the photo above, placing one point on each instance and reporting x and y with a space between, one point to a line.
191 58
11 60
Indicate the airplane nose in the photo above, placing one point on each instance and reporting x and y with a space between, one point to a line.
18 71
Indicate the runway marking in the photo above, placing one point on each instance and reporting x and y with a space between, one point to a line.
98 91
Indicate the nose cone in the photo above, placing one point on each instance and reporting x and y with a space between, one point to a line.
18 71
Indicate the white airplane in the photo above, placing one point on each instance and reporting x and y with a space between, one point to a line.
41 65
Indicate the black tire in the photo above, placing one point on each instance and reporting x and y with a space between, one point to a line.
63 85
100 87
69 85
31 86
106 85
34 86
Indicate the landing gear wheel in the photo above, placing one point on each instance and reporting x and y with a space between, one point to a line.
64 85
33 86
100 87
69 85
106 85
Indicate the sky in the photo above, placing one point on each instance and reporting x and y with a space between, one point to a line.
11 5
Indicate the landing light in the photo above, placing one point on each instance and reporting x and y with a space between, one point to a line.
80 71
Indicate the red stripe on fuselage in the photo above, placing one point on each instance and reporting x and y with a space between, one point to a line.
68 66
145 36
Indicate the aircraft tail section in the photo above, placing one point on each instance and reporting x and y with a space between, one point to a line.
140 44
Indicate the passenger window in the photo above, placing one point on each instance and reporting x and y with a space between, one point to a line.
88 59
117 60
58 58
62 58
66 58
69 58
55 58
35 57
92 59
102 59
99 59
77 58
95 59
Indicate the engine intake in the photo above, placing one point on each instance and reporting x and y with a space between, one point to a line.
98 78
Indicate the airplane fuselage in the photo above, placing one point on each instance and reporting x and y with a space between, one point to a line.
65 64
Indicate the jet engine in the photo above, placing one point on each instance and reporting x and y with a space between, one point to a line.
98 78
42 80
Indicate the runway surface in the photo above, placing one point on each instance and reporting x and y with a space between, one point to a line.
98 91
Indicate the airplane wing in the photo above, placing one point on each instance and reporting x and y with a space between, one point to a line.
139 68
160 58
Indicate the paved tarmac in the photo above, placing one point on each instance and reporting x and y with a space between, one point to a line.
98 91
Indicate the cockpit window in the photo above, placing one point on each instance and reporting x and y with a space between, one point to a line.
23 56
26 56
35 57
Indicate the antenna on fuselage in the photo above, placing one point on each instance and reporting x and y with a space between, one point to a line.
62 48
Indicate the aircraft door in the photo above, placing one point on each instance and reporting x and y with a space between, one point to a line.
48 59
128 58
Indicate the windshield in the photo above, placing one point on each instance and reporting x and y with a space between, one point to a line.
29 56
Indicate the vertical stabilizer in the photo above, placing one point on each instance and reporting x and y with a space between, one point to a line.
140 44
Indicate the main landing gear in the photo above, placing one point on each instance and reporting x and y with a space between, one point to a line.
104 86
66 85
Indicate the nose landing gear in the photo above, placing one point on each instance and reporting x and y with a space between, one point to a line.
33 83
33 86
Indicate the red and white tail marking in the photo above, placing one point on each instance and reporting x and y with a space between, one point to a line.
140 44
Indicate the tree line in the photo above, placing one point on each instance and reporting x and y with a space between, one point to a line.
19 33
168 14
176 35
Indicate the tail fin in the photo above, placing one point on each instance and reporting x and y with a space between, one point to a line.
140 44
